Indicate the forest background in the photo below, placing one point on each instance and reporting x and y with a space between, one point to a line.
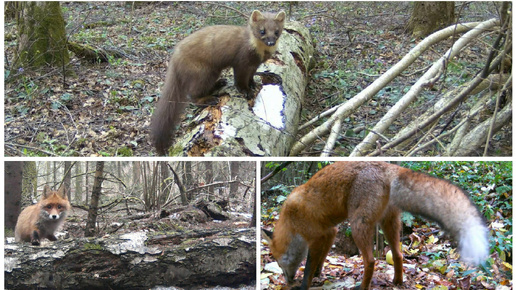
102 106
489 185
117 192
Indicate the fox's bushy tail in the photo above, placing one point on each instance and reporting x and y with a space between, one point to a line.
446 204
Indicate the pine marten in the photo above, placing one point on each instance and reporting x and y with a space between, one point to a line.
198 60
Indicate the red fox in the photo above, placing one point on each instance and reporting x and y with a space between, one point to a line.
199 59
41 220
368 193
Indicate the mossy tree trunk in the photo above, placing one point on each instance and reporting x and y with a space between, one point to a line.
41 35
428 17
12 192
30 182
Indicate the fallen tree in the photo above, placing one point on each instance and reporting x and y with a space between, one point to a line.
197 258
378 140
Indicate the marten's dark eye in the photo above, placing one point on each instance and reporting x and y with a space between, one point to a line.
49 206
59 206
276 32
262 32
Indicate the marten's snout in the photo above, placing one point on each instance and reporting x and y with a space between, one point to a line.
270 42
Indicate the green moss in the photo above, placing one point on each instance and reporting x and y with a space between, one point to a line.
175 150
43 35
125 151
92 246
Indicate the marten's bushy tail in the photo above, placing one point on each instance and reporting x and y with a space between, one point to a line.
166 116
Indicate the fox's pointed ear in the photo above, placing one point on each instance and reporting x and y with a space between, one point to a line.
46 191
268 235
62 191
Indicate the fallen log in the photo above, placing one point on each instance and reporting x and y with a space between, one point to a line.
139 260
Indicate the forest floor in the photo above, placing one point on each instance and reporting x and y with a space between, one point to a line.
104 109
430 253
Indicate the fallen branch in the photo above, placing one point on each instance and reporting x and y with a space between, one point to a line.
425 81
350 106
433 117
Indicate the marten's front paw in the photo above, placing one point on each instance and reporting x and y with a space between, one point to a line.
219 84
207 101
251 92
249 95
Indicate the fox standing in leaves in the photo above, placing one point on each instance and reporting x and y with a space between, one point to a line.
368 193
199 59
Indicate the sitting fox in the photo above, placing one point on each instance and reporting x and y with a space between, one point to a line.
367 193
41 220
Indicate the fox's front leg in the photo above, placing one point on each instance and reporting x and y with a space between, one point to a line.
34 239
317 252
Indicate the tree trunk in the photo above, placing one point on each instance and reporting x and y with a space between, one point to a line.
86 183
193 260
253 221
119 172
54 172
182 189
233 187
89 231
428 17
189 183
29 183
164 182
266 126
209 178
67 180
12 192
78 183
41 35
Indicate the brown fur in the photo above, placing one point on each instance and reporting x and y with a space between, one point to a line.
199 59
34 222
367 193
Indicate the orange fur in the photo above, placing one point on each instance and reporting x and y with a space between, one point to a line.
367 193
41 220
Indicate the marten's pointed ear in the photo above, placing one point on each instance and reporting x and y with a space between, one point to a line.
256 16
280 16
268 235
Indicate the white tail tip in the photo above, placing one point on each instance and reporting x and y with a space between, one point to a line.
474 245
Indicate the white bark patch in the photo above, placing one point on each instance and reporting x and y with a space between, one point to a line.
269 106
